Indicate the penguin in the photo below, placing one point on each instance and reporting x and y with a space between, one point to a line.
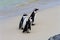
27 26
33 15
21 21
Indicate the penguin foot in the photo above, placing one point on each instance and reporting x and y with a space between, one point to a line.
33 24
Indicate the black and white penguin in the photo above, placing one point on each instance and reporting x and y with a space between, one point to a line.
33 15
26 25
21 21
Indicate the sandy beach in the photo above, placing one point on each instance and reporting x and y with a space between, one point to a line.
47 24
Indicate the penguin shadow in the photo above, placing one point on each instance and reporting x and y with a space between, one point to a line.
21 29
26 32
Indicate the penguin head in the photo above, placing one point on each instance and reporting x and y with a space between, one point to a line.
24 14
36 9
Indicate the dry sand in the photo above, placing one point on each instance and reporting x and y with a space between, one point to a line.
47 24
